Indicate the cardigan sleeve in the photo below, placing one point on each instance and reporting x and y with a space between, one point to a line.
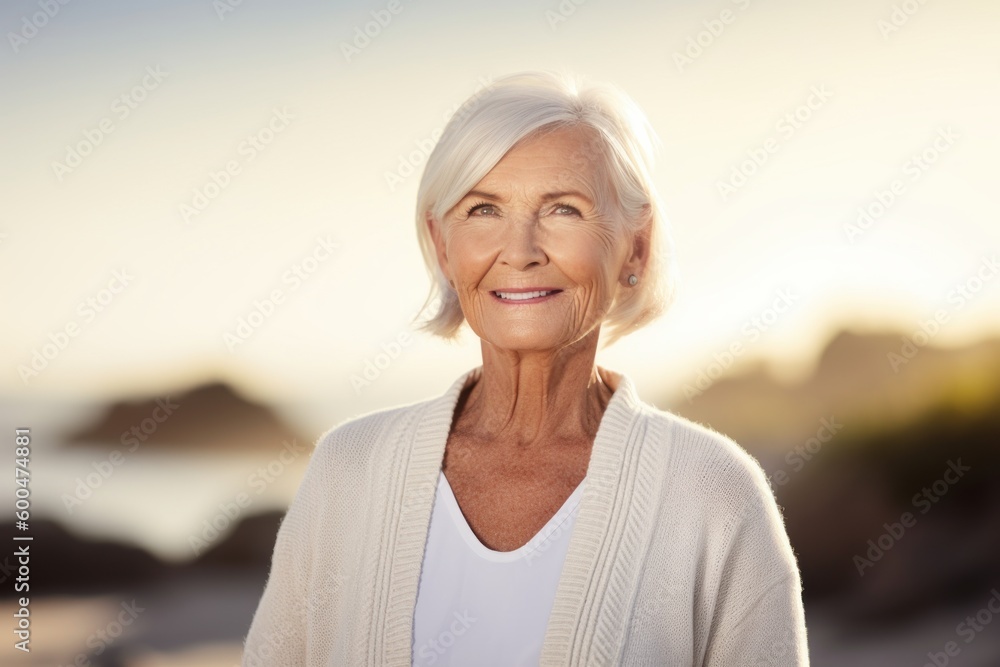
759 617
280 625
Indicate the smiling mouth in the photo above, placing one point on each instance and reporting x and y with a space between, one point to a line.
524 296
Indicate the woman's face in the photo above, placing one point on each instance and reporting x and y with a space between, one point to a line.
533 224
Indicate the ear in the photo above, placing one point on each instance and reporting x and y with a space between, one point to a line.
639 248
437 235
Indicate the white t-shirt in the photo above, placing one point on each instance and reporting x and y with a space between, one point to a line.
476 606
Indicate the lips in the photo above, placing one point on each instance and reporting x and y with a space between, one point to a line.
524 294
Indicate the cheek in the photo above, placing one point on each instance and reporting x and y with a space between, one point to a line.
470 254
587 256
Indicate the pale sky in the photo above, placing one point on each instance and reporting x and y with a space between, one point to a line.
162 95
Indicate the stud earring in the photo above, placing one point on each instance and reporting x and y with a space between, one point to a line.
632 280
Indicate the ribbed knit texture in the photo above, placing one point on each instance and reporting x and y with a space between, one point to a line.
679 554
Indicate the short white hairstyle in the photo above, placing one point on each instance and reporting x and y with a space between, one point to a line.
515 107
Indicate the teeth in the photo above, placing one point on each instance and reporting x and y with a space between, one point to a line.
521 296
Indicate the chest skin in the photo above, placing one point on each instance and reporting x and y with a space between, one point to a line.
508 494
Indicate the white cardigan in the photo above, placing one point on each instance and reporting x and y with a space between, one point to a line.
679 554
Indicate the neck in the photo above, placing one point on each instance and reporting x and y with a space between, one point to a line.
526 400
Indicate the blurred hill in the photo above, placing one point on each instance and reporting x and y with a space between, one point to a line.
102 566
898 434
844 513
202 605
208 417
853 380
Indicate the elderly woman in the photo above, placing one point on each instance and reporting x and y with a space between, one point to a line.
537 512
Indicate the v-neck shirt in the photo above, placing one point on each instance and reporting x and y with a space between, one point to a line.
480 606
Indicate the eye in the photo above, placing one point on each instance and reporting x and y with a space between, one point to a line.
565 209
478 205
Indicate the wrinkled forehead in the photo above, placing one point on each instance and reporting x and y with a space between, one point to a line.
562 159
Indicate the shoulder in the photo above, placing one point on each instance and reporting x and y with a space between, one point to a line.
346 454
719 494
357 437
708 466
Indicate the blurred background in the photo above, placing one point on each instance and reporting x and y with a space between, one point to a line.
208 258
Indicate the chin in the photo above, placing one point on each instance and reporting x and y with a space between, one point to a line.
526 340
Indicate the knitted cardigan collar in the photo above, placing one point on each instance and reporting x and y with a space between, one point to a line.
597 584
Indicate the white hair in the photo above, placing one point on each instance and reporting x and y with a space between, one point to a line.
517 106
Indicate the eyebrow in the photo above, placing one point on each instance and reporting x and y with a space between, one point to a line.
548 196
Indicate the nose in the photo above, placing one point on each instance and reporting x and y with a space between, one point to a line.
521 245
